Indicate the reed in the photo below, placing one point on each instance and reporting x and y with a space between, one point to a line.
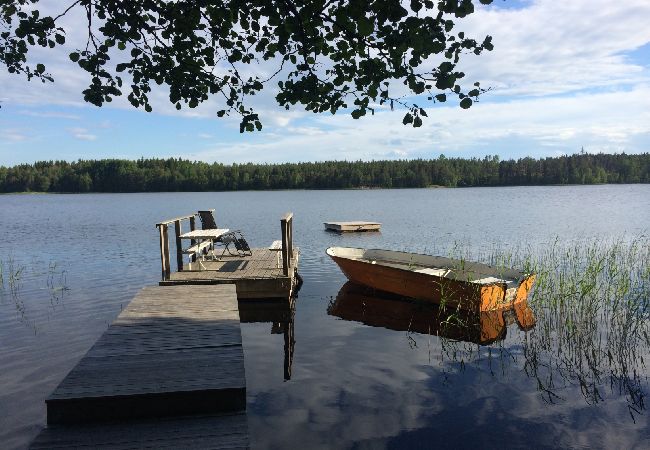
591 302
15 274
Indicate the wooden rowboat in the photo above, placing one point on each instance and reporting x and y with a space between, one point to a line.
467 285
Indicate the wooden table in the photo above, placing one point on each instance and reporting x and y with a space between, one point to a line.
201 237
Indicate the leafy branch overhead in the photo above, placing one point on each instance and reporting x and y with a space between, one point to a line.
326 54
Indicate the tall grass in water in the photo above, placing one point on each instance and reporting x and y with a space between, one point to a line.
591 302
27 302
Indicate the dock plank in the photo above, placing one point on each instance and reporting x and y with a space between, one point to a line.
255 276
228 431
173 350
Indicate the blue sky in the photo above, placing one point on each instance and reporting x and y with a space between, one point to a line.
564 75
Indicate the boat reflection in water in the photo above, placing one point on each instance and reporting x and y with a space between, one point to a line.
280 314
359 303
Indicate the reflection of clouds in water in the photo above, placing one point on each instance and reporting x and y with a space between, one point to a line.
359 386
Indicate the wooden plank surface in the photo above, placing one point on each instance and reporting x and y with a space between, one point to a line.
352 226
173 350
228 431
255 276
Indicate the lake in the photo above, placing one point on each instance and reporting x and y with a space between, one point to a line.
71 262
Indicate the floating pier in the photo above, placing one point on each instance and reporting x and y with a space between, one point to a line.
175 353
268 272
346 227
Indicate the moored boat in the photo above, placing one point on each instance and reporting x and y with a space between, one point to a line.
455 282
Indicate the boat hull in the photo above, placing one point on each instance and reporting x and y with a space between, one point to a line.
436 289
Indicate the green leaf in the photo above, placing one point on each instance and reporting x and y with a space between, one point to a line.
441 97
408 118
74 56
60 39
466 103
446 67
365 26
417 122
40 68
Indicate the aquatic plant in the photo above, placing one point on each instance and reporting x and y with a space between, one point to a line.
53 280
591 301
15 271
57 283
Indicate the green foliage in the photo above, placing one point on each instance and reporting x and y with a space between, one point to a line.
156 175
329 55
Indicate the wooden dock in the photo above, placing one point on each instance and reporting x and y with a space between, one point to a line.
349 227
270 272
174 352
225 431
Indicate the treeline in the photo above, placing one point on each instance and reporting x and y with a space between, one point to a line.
157 175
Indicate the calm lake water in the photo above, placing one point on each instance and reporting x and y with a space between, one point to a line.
71 262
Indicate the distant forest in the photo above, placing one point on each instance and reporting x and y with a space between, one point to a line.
157 175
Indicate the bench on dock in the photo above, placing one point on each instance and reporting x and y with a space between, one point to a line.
276 246
196 249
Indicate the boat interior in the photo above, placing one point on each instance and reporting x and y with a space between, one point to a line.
438 266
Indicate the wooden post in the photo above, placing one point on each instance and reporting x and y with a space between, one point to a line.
286 226
167 262
290 241
192 228
162 249
179 245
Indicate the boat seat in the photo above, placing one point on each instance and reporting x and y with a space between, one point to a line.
435 272
489 280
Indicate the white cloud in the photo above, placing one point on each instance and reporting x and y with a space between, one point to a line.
13 135
541 126
82 134
48 115
553 47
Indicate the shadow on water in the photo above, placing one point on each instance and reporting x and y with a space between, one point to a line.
281 315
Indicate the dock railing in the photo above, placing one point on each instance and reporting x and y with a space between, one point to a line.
163 231
286 226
